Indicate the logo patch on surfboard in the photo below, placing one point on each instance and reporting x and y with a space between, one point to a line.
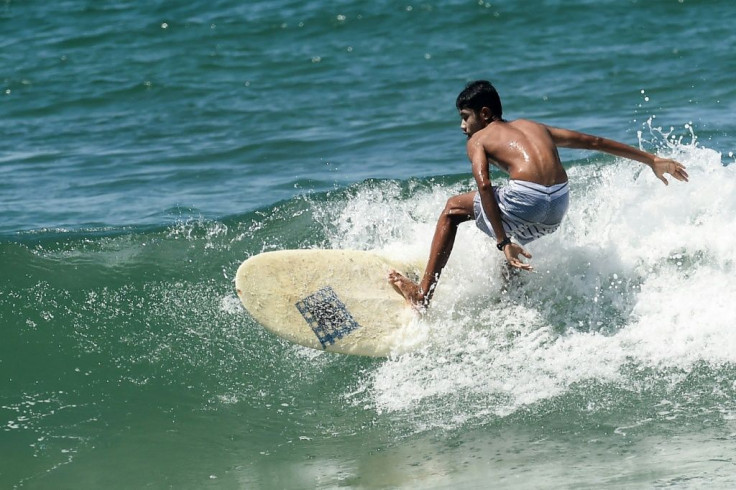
327 316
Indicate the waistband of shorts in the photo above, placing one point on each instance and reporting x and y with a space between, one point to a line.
534 188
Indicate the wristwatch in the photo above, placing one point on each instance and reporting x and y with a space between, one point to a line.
500 245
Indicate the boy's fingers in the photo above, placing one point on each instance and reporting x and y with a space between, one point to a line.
522 265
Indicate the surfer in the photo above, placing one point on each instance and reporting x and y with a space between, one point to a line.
535 199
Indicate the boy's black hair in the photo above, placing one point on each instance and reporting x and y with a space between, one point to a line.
480 94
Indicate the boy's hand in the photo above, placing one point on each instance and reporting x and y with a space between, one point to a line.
512 252
660 166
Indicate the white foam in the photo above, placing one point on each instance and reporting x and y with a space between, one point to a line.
639 274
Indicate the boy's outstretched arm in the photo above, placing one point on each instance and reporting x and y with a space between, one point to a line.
574 139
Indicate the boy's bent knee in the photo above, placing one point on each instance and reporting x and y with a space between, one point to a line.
458 209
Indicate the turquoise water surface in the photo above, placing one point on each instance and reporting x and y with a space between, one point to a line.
148 148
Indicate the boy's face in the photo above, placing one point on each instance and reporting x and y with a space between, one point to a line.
471 121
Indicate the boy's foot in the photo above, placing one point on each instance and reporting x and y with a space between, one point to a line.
408 289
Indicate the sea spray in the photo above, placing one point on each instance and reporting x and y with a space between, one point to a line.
637 280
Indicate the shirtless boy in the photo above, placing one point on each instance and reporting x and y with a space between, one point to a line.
535 199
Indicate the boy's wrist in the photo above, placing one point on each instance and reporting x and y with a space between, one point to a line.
502 244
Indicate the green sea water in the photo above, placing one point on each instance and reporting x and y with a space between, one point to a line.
149 148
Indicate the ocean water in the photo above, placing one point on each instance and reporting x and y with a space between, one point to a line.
148 148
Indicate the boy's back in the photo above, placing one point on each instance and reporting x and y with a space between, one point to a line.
523 148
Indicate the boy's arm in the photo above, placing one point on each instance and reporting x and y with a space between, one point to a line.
479 160
574 139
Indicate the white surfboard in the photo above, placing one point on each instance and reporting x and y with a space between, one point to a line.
332 300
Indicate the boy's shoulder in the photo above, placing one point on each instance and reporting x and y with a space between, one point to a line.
525 122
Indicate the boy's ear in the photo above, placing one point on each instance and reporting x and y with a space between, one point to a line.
485 114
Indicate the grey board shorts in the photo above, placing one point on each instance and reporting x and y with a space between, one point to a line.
528 210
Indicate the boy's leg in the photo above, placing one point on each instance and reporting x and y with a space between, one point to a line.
457 210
